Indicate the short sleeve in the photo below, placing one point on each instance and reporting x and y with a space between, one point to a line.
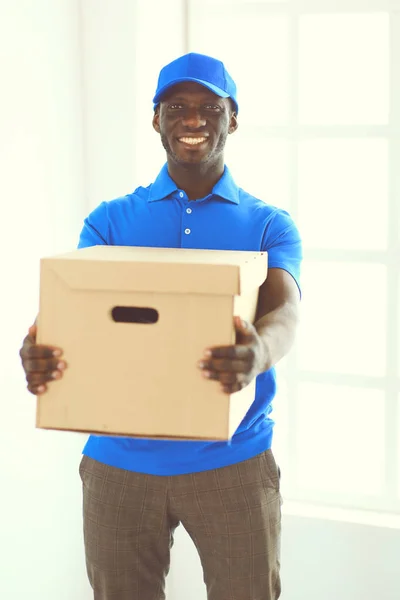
95 228
283 243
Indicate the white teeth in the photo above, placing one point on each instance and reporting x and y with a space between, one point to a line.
192 141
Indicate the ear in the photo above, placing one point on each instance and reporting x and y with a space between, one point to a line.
233 123
156 119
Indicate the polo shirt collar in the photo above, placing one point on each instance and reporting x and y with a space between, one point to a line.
226 188
164 186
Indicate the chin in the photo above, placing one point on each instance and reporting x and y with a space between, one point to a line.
192 158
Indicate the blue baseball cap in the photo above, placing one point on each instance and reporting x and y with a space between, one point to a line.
202 69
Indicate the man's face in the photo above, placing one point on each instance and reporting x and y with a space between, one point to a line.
194 123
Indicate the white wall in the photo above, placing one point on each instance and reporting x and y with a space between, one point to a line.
330 560
109 104
159 40
75 128
71 128
321 560
124 45
42 204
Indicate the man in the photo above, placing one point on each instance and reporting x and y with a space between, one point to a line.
226 495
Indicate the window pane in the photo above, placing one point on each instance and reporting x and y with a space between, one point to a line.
343 193
260 167
343 324
336 425
255 51
344 69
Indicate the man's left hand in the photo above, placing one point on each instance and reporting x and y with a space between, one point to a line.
236 366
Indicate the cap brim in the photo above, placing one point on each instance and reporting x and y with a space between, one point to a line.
213 88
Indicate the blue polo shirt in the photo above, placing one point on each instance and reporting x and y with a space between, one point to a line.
161 215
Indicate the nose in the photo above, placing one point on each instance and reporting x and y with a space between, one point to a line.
193 118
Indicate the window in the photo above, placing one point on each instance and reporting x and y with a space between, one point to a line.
319 94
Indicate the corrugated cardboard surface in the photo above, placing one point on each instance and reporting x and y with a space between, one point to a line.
143 379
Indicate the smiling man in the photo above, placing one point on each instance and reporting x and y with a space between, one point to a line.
226 495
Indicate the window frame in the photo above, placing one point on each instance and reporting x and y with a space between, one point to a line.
389 500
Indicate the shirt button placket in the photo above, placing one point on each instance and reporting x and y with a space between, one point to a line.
187 230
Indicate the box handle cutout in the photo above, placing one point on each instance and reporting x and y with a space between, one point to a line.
134 314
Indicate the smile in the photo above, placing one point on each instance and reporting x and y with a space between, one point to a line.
192 141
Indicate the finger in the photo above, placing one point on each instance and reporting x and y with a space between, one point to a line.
226 364
37 390
43 365
233 388
38 351
241 379
32 332
228 378
36 379
233 381
237 352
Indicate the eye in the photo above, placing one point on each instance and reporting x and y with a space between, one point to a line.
213 107
175 106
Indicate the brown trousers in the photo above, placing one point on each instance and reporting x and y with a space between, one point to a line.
232 515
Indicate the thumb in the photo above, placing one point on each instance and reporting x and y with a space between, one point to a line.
32 332
243 329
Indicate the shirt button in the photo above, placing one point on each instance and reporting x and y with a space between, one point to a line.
189 211
187 231
181 194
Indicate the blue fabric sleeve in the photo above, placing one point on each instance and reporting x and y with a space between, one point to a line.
283 243
95 228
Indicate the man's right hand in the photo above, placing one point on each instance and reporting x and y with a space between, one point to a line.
41 363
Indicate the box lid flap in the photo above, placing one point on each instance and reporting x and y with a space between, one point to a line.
179 270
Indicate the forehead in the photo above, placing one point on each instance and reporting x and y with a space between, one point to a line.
191 90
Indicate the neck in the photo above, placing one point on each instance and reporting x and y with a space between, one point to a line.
196 180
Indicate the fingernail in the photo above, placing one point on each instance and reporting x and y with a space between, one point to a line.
61 366
57 353
206 374
201 364
207 353
41 389
56 374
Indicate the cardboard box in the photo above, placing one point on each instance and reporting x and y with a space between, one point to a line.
141 378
